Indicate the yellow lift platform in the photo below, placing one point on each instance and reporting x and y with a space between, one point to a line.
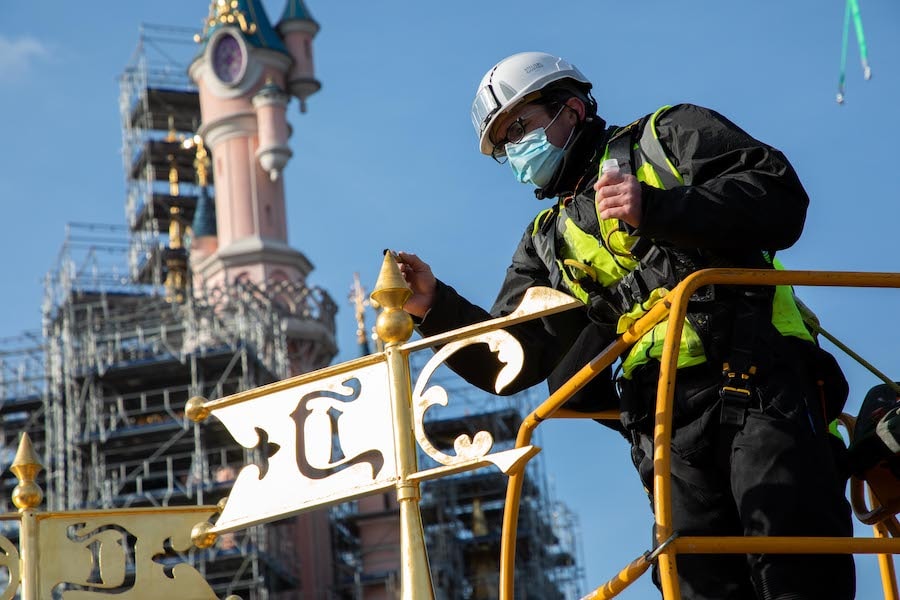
669 545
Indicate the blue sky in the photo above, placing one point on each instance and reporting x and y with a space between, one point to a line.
386 157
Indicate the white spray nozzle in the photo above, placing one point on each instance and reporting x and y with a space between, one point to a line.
610 165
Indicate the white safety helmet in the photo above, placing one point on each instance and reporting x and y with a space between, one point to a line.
515 79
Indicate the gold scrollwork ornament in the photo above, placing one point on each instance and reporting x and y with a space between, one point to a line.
9 558
508 351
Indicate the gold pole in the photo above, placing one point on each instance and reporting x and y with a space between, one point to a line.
395 327
27 495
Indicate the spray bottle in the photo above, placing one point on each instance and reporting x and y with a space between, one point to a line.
610 165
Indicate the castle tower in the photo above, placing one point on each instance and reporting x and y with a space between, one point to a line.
245 73
297 29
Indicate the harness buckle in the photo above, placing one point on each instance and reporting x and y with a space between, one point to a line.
736 393
631 290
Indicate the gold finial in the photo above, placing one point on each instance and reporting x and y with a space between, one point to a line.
25 467
195 409
223 12
172 136
173 177
391 292
201 158
176 279
390 288
176 262
202 536
176 228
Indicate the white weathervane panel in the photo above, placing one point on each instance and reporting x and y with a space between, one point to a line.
331 436
321 442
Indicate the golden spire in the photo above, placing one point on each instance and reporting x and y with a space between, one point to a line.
391 291
225 12
390 288
25 467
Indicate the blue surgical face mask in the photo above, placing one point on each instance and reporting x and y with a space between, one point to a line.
534 159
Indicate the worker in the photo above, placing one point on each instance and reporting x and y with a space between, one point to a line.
682 189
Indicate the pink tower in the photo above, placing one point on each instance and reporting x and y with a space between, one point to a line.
246 73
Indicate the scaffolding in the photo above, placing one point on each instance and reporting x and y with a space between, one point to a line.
102 387
160 111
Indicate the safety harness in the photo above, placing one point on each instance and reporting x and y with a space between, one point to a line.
640 267
579 253
612 271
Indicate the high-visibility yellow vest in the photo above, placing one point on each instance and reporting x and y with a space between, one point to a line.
579 256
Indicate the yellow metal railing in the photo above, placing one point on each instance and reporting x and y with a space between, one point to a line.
668 545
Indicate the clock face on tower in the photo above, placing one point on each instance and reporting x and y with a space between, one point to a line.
228 58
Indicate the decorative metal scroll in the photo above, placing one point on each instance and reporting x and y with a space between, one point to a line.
468 449
9 560
123 554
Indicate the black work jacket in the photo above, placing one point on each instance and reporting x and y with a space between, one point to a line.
739 195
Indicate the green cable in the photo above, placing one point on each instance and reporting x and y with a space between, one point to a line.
843 73
861 39
852 11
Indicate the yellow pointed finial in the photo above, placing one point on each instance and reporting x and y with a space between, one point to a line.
25 467
391 292
391 288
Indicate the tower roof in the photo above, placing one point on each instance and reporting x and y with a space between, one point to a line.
205 215
249 17
295 10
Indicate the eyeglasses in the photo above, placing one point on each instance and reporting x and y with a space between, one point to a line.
515 131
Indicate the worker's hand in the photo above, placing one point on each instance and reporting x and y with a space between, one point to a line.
421 280
619 197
